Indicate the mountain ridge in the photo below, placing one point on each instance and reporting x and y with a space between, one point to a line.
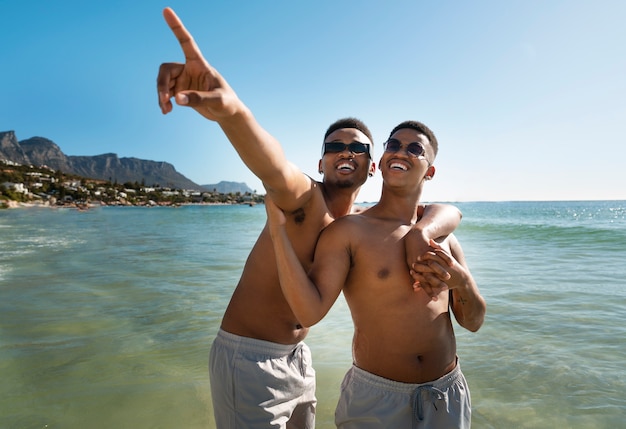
40 151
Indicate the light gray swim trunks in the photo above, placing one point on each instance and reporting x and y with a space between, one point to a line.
369 401
260 384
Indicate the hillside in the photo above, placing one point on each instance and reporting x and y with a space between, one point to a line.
228 187
40 151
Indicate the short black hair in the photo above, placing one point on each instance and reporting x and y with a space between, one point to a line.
420 128
349 123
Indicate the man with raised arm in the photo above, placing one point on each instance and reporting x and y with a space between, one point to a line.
260 368
405 369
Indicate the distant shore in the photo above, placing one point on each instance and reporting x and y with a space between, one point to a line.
11 204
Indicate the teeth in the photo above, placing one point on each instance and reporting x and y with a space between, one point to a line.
399 166
345 166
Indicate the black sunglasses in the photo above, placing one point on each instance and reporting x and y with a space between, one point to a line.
354 147
414 149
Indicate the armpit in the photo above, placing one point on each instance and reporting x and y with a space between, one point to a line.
298 215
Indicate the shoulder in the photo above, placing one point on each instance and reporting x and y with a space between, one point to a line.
345 225
342 234
301 191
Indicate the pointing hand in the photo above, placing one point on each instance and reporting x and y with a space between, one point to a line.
195 83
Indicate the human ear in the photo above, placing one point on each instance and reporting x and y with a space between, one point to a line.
430 173
372 169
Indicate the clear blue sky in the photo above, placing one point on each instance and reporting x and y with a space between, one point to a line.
527 97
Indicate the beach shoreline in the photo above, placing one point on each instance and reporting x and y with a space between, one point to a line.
12 204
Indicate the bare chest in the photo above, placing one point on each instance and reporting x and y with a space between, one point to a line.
379 260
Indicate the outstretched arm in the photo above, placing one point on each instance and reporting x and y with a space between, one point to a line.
435 220
308 301
467 303
198 85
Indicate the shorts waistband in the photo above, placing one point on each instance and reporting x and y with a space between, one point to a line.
441 383
272 350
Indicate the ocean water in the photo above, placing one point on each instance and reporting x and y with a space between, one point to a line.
107 316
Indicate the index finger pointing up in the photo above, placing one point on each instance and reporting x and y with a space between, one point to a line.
190 49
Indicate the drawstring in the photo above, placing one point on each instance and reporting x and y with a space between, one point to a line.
298 354
434 395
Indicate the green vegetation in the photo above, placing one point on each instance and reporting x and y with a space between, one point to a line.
28 184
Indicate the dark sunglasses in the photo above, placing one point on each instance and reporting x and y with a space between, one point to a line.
355 147
414 149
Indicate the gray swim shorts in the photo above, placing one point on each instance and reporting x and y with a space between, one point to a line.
369 401
260 384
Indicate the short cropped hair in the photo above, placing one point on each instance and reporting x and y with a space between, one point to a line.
349 123
420 128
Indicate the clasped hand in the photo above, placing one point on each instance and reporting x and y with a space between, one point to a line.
436 271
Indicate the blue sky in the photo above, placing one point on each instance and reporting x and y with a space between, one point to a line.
526 97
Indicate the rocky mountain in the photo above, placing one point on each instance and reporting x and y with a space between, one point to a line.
40 151
11 150
228 187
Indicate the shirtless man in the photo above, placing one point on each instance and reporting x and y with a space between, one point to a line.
260 369
406 371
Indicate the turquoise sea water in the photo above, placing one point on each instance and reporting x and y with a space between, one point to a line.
107 316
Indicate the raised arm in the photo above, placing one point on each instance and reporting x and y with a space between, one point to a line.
198 85
309 301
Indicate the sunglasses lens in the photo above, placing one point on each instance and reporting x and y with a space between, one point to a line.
357 147
415 149
334 147
354 147
393 146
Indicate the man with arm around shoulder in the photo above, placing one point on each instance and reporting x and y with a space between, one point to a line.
406 371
